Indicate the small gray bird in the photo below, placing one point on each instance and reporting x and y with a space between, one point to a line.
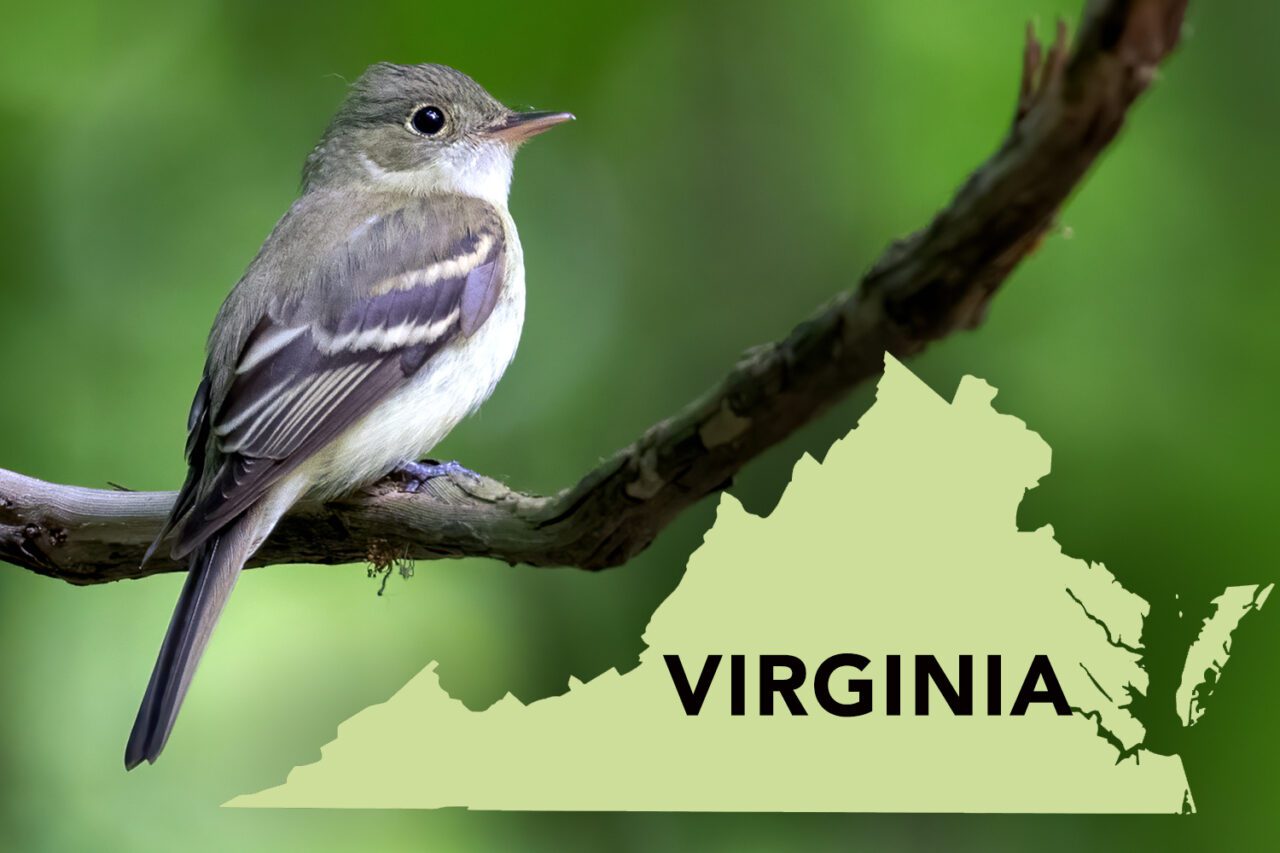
381 311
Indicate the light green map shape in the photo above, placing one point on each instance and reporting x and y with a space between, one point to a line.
903 541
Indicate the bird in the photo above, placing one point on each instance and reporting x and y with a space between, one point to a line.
382 309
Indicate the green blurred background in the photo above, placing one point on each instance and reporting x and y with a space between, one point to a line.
733 166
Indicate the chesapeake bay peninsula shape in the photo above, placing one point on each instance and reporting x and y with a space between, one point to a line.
902 543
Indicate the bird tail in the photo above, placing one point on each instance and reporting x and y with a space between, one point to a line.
215 566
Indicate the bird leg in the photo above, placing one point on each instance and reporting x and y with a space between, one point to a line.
417 473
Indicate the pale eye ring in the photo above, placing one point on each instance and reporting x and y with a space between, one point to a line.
426 120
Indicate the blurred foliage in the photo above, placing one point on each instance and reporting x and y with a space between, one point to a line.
734 165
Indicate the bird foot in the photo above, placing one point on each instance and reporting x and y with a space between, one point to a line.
418 473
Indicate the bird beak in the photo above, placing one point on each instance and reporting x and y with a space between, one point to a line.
518 127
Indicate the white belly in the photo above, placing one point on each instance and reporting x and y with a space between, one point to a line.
406 426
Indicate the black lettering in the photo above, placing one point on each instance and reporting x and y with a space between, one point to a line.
993 685
860 687
786 687
1041 670
959 700
737 685
893 685
692 697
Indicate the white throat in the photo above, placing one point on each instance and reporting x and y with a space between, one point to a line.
483 171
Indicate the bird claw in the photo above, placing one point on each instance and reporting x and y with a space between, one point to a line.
418 473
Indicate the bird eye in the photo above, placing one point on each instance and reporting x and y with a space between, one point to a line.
427 121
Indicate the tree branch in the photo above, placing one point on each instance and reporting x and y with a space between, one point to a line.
941 279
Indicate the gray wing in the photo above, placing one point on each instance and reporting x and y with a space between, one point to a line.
395 295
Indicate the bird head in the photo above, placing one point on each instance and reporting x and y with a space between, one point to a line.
423 129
